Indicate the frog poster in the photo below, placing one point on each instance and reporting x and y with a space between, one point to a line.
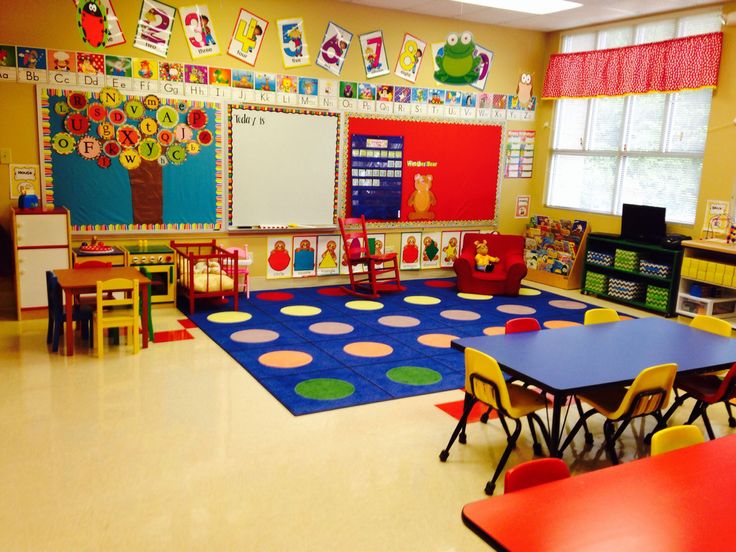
431 250
293 43
374 54
450 248
278 264
457 60
410 58
305 256
410 254
329 253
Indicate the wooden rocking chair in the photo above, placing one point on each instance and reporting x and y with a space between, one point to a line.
369 273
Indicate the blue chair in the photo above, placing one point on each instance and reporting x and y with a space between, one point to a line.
82 314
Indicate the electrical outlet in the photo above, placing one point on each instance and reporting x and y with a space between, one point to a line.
5 157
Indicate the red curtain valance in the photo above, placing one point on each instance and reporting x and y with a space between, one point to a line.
684 63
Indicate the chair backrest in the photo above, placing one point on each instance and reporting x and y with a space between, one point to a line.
727 389
711 324
534 472
649 392
129 298
600 316
93 263
354 237
54 295
675 437
518 325
484 380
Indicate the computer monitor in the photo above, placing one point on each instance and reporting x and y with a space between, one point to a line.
643 223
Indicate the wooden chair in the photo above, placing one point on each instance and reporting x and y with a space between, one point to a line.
369 273
117 312
82 314
89 298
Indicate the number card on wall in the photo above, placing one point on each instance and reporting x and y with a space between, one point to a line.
293 44
199 31
410 58
374 54
247 37
334 48
486 58
154 27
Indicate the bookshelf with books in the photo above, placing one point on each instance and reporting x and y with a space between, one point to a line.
553 251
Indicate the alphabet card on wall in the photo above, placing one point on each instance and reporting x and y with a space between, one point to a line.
155 23
328 252
450 248
32 65
293 42
305 256
334 48
410 58
247 37
410 258
374 54
279 258
199 30
8 63
431 250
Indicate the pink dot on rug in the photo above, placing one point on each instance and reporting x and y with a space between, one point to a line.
369 349
275 296
441 341
565 304
440 283
494 330
552 324
396 321
457 314
254 336
516 309
331 328
285 359
332 291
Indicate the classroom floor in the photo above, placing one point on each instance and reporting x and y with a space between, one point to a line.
179 448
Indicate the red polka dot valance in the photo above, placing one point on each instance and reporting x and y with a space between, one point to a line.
686 63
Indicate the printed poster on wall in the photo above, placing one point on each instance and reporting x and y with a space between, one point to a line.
115 34
247 37
305 256
431 250
155 24
410 58
334 48
293 42
328 255
375 245
486 58
278 264
24 179
450 248
519 153
410 258
374 54
199 30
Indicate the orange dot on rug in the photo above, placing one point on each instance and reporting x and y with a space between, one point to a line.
285 359
369 349
442 341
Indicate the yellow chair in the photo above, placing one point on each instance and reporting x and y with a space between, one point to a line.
647 395
484 382
117 312
675 437
600 316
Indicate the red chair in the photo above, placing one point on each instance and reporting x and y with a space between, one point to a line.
534 472
518 325
506 276
369 273
90 298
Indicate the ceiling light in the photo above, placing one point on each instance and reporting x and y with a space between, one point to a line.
537 7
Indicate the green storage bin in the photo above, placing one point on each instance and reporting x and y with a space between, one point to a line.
626 260
657 298
595 282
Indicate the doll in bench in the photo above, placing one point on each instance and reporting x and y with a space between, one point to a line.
483 261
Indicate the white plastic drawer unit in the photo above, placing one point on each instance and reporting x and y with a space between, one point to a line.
42 230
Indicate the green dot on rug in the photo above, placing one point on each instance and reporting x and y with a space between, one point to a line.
413 375
324 389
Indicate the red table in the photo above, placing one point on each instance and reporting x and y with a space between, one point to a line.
76 281
682 500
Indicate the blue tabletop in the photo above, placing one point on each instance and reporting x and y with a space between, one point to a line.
569 359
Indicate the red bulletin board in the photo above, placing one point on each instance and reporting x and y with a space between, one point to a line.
463 159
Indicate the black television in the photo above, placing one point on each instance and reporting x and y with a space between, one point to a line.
643 223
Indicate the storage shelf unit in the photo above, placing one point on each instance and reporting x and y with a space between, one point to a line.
707 283
641 275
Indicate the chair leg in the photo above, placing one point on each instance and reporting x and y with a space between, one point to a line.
491 485
588 434
58 325
731 419
460 427
99 341
536 447
706 422
608 432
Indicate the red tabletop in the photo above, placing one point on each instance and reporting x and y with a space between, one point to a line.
682 500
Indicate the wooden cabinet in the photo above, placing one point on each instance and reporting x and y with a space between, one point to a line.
708 280
642 275
41 241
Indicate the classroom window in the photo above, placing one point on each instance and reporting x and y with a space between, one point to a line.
645 149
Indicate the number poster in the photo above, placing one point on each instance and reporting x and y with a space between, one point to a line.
486 58
410 58
199 31
247 37
334 48
293 42
374 54
154 27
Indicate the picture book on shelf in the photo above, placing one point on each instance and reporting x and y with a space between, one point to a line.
551 245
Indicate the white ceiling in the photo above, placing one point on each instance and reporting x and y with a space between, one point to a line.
592 12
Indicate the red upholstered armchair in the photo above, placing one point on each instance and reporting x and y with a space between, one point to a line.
505 278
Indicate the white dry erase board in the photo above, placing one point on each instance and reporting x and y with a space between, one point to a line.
283 166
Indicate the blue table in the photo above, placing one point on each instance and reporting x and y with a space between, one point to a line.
565 361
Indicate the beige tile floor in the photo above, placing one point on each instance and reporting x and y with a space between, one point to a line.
178 448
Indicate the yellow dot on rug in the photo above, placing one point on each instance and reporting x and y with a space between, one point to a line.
529 291
229 317
421 300
300 310
364 305
474 296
